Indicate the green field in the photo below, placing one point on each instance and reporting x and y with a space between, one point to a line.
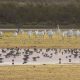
23 40
40 72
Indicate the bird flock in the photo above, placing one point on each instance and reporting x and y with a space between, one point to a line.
50 32
26 56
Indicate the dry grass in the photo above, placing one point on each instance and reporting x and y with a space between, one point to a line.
23 40
40 72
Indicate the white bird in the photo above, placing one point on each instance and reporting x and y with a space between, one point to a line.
22 31
50 33
58 30
70 33
45 31
29 33
1 33
15 34
77 33
40 33
64 33
36 32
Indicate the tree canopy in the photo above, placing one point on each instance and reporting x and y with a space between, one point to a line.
25 13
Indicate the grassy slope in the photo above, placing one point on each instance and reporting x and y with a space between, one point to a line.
42 72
